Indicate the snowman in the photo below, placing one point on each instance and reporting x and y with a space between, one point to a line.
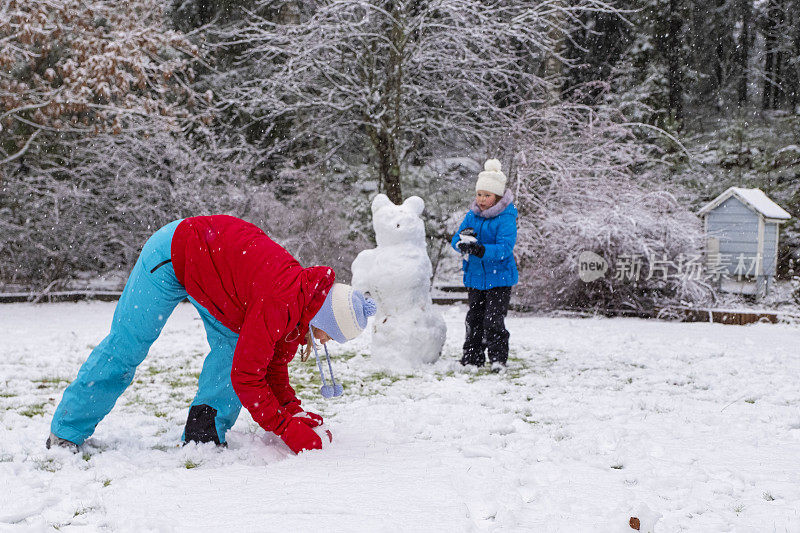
407 330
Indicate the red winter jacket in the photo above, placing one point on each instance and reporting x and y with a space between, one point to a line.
258 290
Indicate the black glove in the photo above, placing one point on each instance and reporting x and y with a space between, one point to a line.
472 248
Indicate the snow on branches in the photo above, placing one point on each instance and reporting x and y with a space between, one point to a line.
77 67
404 78
93 210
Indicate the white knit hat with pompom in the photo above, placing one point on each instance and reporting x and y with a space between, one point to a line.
492 178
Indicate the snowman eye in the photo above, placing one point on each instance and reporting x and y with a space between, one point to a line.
398 225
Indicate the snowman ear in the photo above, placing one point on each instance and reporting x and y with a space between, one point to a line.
415 204
379 202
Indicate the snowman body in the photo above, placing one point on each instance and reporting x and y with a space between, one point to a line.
407 330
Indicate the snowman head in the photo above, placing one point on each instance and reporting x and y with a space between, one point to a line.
398 224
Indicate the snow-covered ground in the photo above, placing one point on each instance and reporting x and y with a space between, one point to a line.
594 420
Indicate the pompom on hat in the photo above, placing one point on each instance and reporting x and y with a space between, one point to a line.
343 315
492 178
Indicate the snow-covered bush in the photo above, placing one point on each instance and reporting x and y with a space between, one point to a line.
585 183
317 218
93 209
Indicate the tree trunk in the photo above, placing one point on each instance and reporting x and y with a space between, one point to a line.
721 42
779 90
744 50
674 76
394 97
553 65
767 101
794 81
390 170
388 163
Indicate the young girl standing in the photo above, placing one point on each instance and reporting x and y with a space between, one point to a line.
489 266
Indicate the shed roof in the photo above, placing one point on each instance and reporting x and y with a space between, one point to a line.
754 199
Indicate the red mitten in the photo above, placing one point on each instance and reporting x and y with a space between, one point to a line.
292 407
312 420
299 436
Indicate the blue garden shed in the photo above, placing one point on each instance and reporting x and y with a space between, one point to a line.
742 227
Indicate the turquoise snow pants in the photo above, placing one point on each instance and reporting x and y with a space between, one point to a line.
151 294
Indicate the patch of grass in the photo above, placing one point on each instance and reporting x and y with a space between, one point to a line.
344 355
178 383
485 370
189 464
513 373
137 398
43 383
106 482
6 458
86 456
161 414
48 465
516 360
738 509
750 400
82 510
7 395
769 497
383 376
33 410
618 466
365 389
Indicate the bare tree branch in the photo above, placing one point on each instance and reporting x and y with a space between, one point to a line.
22 151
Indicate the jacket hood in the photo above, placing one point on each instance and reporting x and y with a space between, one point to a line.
496 209
315 283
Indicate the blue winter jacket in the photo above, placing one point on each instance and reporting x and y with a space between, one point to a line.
496 229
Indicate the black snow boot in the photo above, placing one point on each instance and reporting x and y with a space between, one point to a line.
201 426
54 440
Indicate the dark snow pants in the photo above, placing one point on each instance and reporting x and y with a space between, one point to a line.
486 328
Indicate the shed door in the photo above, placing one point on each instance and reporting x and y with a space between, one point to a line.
712 251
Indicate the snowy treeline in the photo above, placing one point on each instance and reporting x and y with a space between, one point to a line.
681 57
117 118
394 81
